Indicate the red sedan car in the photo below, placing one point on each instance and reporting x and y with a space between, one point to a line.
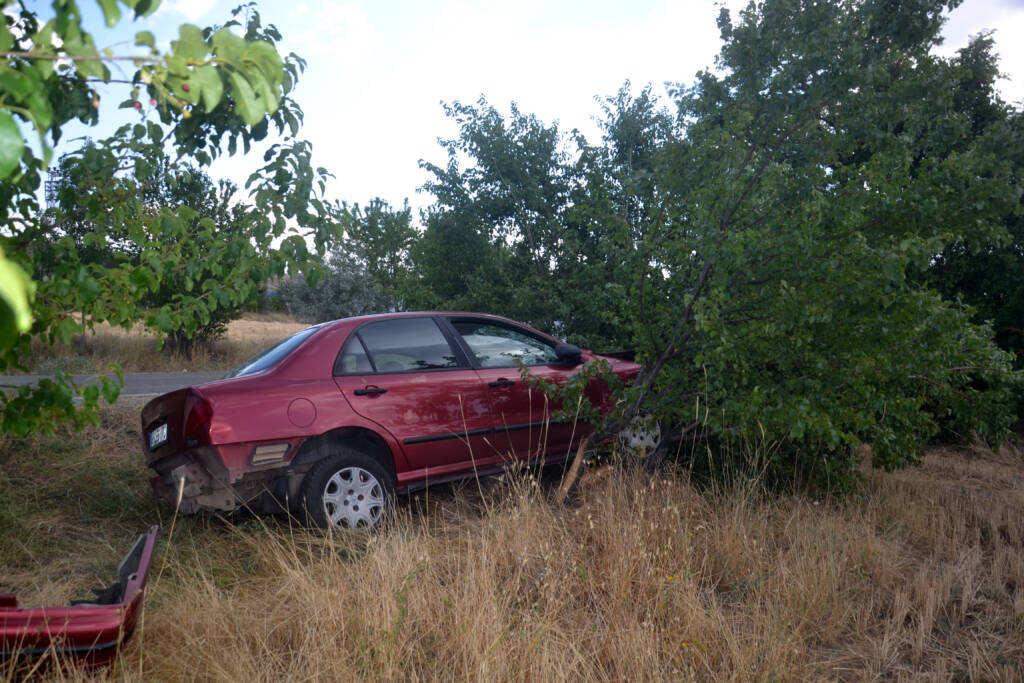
336 419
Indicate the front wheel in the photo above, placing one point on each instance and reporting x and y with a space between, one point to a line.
640 440
349 490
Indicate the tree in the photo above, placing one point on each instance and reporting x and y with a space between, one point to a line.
491 239
615 205
345 289
225 236
818 170
988 274
214 87
65 215
536 225
367 271
767 245
380 236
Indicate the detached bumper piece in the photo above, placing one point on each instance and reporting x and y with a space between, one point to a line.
88 632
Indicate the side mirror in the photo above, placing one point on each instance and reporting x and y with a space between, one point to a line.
569 354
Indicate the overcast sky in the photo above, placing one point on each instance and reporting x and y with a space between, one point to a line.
379 69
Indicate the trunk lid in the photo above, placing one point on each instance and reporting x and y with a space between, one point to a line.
168 413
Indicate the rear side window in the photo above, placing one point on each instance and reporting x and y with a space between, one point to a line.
399 345
354 360
272 355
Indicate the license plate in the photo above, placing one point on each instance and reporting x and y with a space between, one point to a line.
158 437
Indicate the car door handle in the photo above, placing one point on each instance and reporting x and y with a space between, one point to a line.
370 390
501 383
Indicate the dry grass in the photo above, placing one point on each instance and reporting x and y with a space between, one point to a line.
138 350
641 578
644 579
70 506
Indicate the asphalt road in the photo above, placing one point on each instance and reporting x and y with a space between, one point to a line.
139 387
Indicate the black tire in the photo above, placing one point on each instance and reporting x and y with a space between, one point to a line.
348 491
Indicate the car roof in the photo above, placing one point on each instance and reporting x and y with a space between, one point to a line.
300 364
406 314
358 319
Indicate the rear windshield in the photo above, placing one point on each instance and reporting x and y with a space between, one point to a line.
272 355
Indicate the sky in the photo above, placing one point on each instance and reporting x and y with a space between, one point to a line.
378 70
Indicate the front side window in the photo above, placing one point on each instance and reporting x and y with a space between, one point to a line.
398 345
496 346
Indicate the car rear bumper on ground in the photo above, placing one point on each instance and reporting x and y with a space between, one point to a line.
88 633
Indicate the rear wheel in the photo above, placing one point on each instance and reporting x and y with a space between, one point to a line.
348 490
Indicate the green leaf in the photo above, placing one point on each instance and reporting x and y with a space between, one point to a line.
110 390
177 66
145 38
87 285
245 99
118 372
164 322
143 8
142 278
185 88
227 45
90 394
16 291
11 144
293 123
111 13
45 68
21 84
267 96
66 327
191 44
210 85
263 55
83 46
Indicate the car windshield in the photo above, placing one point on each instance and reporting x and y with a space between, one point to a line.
272 355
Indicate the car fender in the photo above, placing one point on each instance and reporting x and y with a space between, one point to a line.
304 455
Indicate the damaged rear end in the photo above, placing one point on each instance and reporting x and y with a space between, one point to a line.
176 441
205 463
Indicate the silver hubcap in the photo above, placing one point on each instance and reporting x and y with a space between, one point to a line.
353 499
641 437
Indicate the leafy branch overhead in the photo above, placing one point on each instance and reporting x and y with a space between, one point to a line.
131 239
207 68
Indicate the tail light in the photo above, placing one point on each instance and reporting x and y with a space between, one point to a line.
198 413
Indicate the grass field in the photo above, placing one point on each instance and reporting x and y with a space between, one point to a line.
139 351
639 578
